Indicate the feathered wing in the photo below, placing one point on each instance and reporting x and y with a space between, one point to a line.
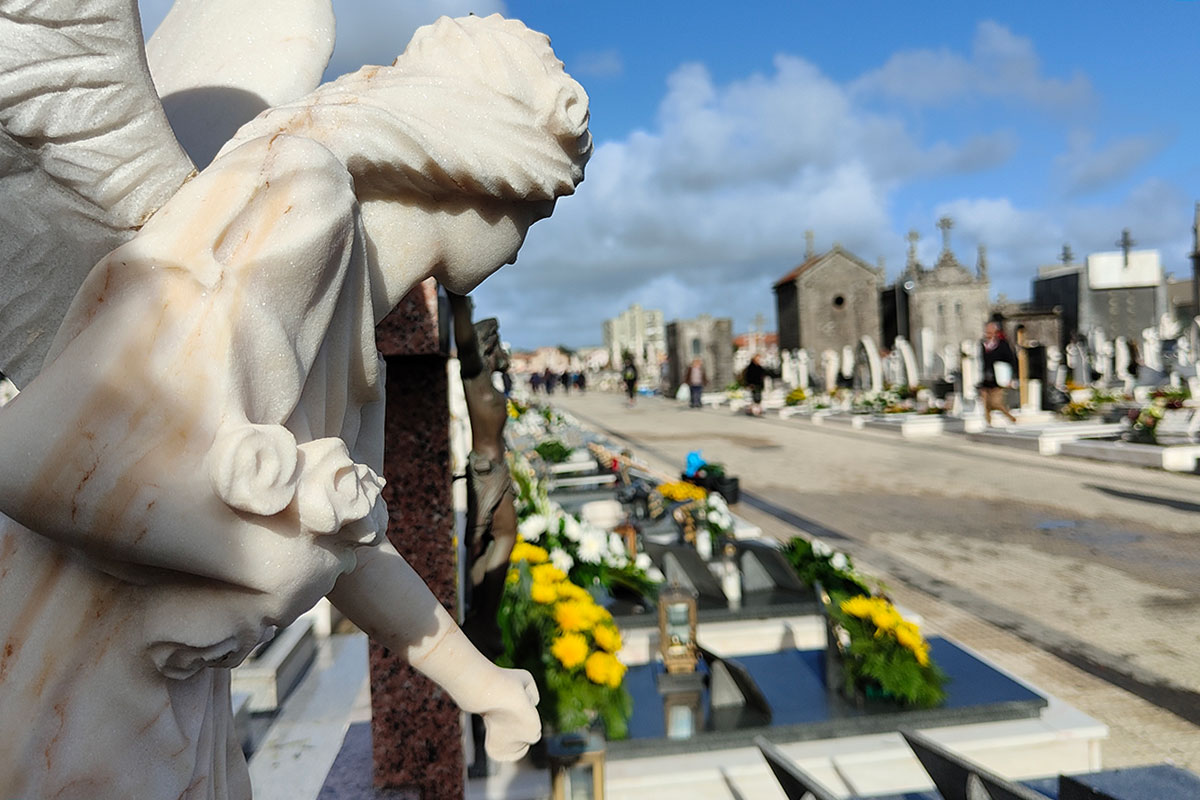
86 156
218 63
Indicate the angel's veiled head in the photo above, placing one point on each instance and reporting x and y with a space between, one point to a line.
474 107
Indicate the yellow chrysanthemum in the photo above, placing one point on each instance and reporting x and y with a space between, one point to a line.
909 636
523 551
680 491
543 593
575 615
604 669
860 606
570 649
885 618
547 573
512 577
570 591
922 654
607 638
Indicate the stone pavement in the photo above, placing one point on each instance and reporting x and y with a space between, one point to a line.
1082 578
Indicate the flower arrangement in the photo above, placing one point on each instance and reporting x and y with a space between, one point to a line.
1101 397
884 654
1172 397
1078 410
717 517
795 397
554 629
589 555
681 491
516 409
586 553
1144 427
816 562
553 451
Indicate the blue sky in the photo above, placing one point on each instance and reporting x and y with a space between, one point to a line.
725 130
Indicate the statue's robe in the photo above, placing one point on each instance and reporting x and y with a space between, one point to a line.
245 297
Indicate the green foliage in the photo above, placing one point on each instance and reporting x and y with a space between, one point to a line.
879 666
821 564
795 397
1172 397
1078 411
570 699
553 451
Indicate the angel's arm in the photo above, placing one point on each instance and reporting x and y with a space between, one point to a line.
390 602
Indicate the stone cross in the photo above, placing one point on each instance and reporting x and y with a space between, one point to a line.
829 364
945 224
802 365
809 248
913 237
1054 359
970 368
1121 357
981 265
1066 256
1126 243
1152 349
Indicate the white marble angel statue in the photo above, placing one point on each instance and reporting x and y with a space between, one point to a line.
193 456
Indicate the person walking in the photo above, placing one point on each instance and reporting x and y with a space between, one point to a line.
754 377
999 367
629 374
696 378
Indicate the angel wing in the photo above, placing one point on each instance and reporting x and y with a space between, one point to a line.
218 63
86 150
86 155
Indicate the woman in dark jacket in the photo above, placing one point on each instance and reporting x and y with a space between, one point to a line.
996 351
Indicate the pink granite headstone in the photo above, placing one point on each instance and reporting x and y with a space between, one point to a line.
416 727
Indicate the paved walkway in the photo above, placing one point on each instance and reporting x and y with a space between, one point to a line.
1080 577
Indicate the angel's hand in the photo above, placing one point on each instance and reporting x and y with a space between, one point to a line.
510 714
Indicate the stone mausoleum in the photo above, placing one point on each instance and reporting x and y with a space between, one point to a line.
946 303
707 338
829 301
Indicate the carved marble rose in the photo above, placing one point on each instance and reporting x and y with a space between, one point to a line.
194 455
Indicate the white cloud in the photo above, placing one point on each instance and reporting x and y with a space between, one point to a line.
706 211
1000 65
1083 168
1019 240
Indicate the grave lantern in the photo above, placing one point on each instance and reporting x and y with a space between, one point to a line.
677 629
576 766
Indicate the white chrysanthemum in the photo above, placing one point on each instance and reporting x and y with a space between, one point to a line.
643 562
616 544
531 528
572 529
839 561
592 546
655 574
561 559
820 549
716 502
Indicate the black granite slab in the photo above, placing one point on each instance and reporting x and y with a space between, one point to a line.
1161 782
802 709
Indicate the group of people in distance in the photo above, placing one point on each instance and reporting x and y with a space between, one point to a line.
549 380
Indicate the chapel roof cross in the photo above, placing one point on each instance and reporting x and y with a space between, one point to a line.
1126 243
945 224
1066 256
